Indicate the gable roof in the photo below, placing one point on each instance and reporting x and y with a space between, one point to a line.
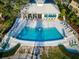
46 8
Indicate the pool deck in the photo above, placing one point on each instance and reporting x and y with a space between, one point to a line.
65 41
47 23
36 43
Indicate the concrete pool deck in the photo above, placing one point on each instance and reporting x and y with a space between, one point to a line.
65 41
35 43
47 24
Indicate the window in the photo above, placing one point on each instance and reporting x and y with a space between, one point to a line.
34 16
50 15
29 16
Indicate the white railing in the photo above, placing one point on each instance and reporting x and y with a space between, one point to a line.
19 28
76 34
14 26
15 29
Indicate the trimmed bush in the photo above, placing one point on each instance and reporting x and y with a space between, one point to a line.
6 53
72 55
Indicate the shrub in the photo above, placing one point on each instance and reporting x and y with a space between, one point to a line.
6 53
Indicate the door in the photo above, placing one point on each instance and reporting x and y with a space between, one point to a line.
40 16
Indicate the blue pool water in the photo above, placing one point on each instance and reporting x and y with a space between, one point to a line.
40 34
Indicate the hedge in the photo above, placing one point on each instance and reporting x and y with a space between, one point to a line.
72 55
6 53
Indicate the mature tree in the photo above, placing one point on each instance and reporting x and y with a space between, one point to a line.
63 13
9 10
77 23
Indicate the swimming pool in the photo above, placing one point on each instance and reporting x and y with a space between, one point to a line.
39 34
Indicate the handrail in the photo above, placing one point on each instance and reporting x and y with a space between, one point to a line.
72 29
14 26
19 28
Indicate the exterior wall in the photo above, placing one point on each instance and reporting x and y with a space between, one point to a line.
75 7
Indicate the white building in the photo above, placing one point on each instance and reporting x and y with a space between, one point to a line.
42 9
74 6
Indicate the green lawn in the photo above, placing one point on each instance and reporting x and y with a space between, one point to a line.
54 53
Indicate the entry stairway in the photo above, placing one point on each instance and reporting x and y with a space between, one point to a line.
17 27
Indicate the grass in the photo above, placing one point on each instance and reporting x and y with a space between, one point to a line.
54 53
